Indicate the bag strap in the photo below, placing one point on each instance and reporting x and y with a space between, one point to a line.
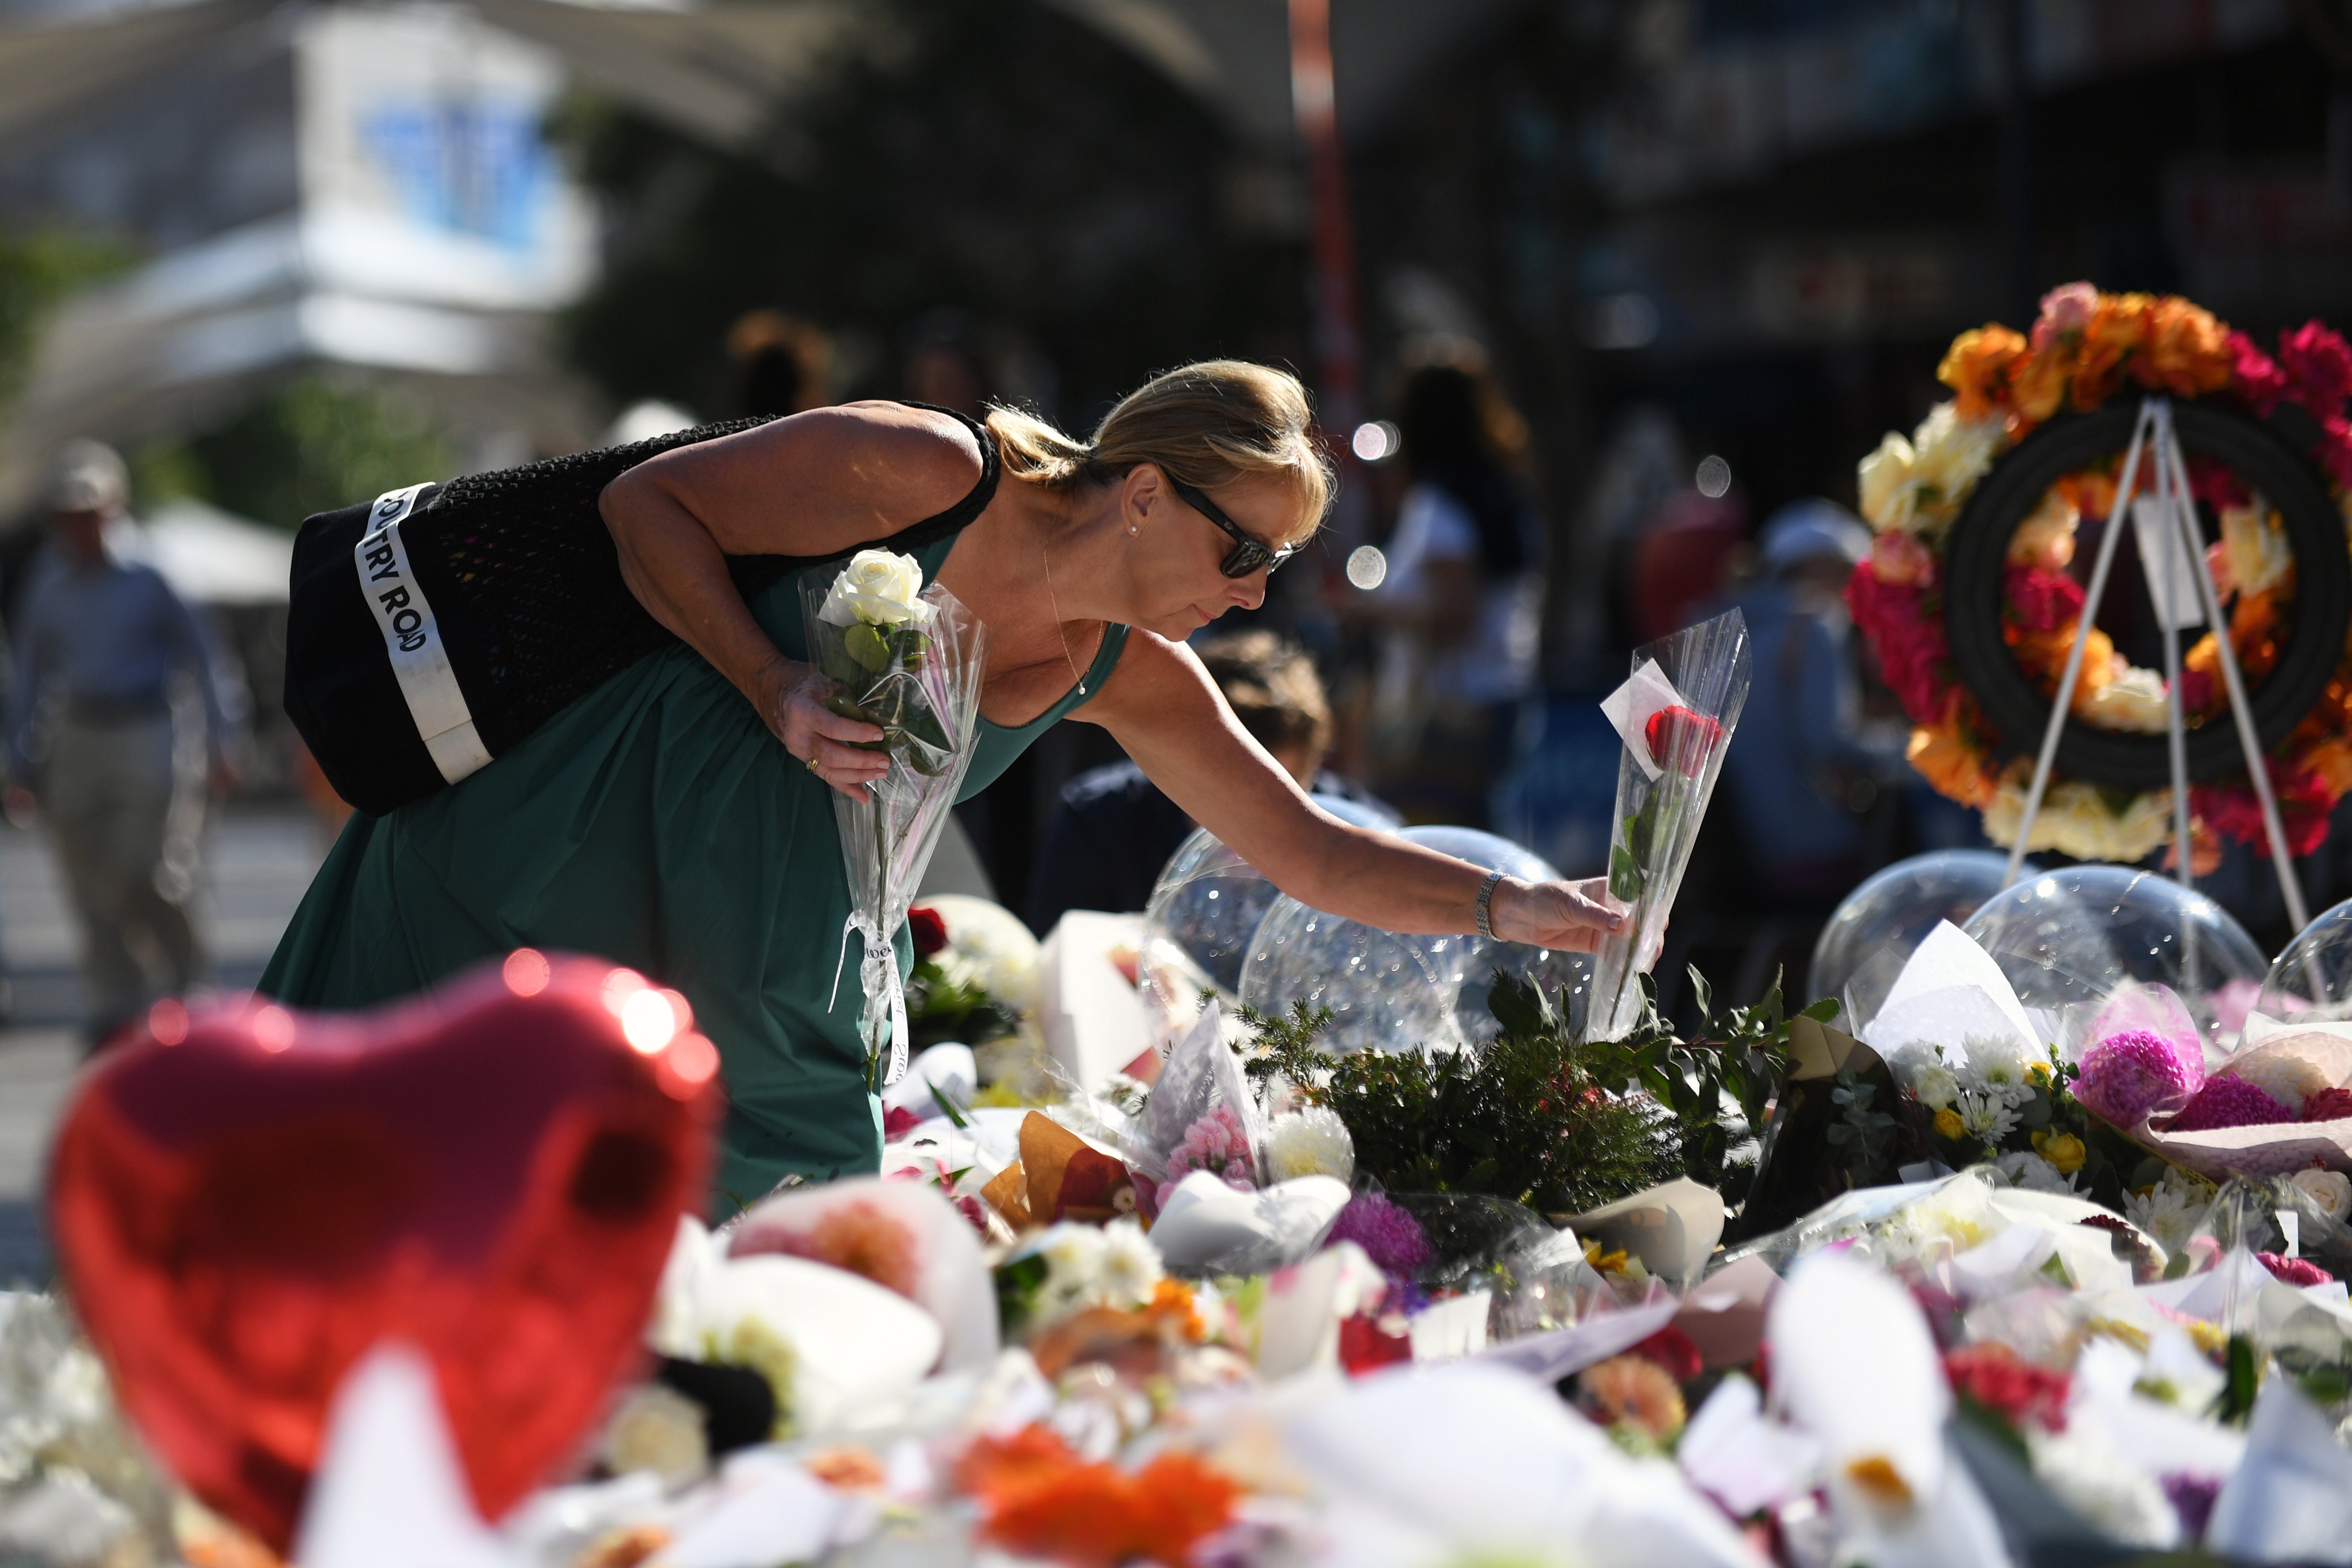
412 639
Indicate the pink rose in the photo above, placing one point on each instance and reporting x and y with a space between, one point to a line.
1902 561
2067 310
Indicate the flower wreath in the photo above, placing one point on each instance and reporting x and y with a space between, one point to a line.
2084 348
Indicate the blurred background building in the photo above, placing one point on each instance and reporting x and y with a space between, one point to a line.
286 254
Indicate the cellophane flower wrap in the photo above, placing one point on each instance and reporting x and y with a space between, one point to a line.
1677 715
905 657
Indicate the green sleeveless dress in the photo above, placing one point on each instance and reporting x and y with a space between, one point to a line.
656 823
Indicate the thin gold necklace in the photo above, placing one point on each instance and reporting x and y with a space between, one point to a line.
1047 556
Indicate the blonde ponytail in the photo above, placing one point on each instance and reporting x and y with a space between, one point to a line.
1207 424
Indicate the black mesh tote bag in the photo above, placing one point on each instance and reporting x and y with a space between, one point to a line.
434 630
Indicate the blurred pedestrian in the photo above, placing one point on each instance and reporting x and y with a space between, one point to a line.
1114 831
96 645
1461 599
782 364
1807 769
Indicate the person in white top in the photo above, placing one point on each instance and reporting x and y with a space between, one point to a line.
1461 598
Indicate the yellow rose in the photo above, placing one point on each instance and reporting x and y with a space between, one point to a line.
1949 455
2065 1151
1950 1125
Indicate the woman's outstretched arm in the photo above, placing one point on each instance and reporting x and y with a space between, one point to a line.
1161 706
807 485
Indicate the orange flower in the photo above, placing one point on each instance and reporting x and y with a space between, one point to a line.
1636 1391
847 1467
1977 367
2092 491
2117 329
2331 760
2038 386
860 1238
1041 1500
1948 756
2187 351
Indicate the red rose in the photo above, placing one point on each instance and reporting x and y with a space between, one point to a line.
898 1121
2013 1388
1673 1350
1681 739
930 931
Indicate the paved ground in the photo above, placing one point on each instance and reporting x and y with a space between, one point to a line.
260 861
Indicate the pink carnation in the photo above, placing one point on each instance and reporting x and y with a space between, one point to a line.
2328 1105
2334 450
2294 1270
2230 1102
1215 1143
2127 1076
2255 376
1901 560
1913 655
2317 361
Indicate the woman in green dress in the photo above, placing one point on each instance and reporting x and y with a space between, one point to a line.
675 820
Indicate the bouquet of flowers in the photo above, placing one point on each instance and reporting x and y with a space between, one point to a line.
1677 715
906 658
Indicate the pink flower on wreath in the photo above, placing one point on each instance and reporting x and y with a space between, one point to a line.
2319 363
2232 811
1215 1143
1901 560
2041 599
2334 450
1909 646
2066 311
2255 376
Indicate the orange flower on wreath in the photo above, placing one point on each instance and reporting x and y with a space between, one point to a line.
1977 367
2187 351
2118 331
2038 384
1948 756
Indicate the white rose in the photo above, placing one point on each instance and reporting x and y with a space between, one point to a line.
1883 479
2332 1191
878 588
1936 1086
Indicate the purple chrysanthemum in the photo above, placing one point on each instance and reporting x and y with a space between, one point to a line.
2230 1102
1390 1237
2192 1498
2127 1076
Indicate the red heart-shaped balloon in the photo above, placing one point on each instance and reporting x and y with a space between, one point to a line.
246 1199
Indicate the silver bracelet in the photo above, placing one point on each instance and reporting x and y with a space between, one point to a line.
1486 904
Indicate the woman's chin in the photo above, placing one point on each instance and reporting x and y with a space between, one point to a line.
1179 625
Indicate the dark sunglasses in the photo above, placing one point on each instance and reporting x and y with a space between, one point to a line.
1248 554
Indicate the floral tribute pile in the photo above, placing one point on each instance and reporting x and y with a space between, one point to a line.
2085 347
1183 1324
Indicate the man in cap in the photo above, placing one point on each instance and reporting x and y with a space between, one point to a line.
98 642
1806 767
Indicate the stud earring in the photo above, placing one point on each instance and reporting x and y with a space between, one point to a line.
1130 527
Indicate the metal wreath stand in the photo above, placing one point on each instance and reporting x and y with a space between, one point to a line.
2166 518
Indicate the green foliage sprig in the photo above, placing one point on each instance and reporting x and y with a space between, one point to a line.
1537 1116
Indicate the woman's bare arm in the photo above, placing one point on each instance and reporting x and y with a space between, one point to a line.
807 485
1161 706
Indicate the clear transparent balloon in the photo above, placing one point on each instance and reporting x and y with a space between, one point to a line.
1202 913
1393 992
2313 976
1874 932
2074 937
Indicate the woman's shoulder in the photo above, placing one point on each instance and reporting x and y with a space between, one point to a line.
925 459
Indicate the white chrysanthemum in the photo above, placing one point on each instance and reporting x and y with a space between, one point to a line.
1996 1065
996 946
1128 1268
2289 1079
1936 1086
2170 1210
2033 1173
2125 1502
1074 1257
1312 1142
1986 1117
